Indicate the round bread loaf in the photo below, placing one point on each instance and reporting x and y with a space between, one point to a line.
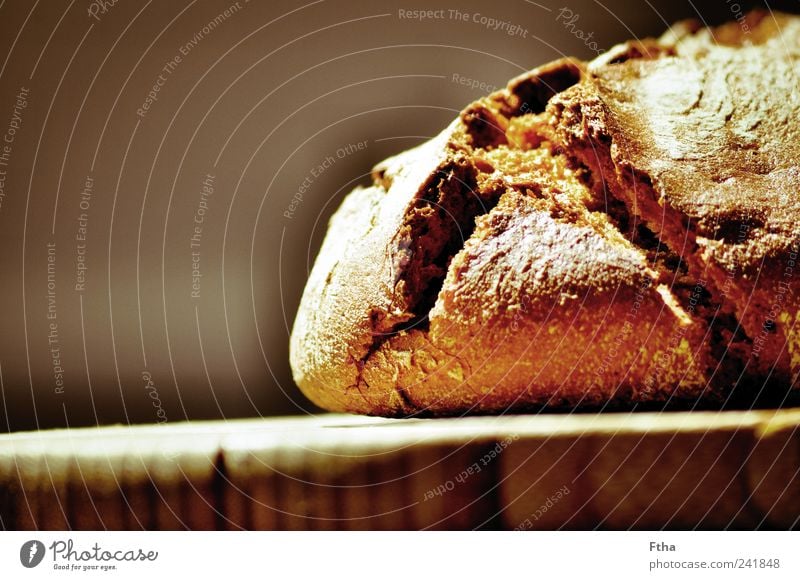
612 233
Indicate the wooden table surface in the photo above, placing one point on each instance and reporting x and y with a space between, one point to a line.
707 470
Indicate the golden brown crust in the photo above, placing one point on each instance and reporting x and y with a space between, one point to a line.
702 138
351 283
567 240
577 321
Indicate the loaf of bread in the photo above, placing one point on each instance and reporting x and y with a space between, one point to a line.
615 233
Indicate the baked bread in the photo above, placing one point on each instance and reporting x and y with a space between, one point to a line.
613 233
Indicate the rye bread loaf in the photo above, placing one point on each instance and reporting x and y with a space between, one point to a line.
618 232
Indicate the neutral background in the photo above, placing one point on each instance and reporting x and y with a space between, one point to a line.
260 100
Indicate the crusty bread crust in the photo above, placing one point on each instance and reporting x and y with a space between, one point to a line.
570 240
700 136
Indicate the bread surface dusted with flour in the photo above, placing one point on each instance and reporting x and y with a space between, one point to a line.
616 232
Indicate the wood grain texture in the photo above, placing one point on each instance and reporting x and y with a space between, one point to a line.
737 470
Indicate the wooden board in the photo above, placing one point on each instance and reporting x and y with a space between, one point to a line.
736 470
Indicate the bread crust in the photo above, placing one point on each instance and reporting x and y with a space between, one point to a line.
700 136
566 241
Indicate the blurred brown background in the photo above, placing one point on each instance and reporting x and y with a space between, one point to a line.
154 247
